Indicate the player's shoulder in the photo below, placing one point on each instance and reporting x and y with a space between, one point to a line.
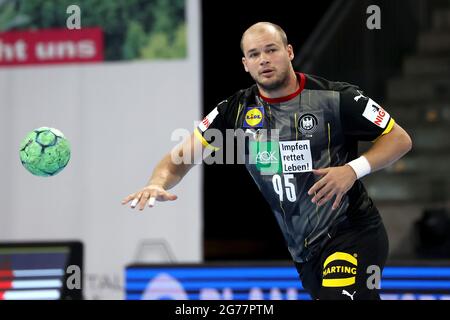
237 98
314 82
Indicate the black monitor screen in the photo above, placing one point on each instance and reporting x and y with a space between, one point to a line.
41 270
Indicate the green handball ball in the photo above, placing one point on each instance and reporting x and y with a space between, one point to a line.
45 152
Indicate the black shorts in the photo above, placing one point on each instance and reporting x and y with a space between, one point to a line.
349 265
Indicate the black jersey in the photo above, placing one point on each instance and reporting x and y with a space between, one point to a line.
316 127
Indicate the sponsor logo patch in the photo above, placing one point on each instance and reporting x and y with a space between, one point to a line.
254 117
376 114
206 122
273 157
266 156
339 270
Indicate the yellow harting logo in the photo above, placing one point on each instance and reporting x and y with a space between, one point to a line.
253 117
339 269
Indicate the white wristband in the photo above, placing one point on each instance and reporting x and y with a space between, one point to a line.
361 166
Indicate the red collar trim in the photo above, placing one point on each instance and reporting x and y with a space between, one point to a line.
302 80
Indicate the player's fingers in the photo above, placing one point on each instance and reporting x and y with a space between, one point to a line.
321 193
153 197
170 196
160 196
128 198
317 186
143 200
135 200
321 172
326 198
151 201
166 196
337 202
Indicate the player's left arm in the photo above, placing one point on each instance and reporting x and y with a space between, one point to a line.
388 148
391 142
336 181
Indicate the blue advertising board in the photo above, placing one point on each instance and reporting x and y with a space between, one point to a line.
269 282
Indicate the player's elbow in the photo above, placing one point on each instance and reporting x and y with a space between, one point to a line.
405 142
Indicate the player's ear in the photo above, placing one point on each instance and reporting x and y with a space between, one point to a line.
244 62
290 51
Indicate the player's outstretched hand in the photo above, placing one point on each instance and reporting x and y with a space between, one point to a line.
148 195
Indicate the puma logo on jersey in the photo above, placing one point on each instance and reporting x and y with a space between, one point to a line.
360 96
256 134
346 293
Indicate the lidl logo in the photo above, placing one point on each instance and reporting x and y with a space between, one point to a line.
266 156
254 117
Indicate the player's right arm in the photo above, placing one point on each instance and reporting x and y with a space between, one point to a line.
167 174
176 164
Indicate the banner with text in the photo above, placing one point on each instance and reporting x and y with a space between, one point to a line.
51 46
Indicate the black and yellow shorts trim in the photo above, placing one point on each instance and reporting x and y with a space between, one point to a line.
349 266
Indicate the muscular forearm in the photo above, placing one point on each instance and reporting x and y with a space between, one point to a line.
165 176
388 149
168 174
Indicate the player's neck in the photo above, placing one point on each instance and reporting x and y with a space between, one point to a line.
289 88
